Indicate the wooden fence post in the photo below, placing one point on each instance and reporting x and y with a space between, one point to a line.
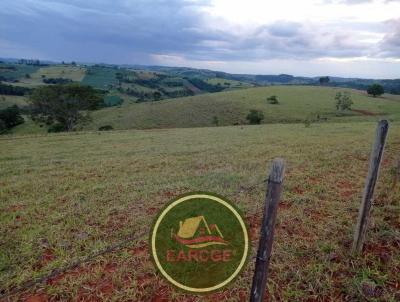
373 171
274 188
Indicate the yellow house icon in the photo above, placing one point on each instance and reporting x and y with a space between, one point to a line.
195 232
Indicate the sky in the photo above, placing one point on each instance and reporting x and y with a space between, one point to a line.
348 38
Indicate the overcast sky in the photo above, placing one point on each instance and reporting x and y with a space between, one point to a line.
357 38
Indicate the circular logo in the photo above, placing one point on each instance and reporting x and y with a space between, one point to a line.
199 242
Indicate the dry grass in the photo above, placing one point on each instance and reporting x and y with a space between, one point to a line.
64 196
73 73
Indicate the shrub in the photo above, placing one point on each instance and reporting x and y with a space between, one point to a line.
106 128
343 101
157 96
13 90
57 127
56 81
11 117
3 128
273 99
215 120
255 117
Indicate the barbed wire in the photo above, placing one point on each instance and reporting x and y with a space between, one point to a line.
112 248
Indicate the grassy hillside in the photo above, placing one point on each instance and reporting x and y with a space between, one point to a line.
296 103
35 78
65 196
14 72
100 77
10 100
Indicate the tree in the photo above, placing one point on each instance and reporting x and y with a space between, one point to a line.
63 104
375 90
343 101
215 120
3 127
13 90
324 80
157 96
11 117
273 99
255 116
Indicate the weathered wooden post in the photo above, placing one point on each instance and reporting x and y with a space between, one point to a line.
373 171
274 188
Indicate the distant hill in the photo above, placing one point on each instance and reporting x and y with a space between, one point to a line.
296 104
148 83
140 97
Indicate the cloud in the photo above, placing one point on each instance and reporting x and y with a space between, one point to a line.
102 30
356 1
188 32
390 44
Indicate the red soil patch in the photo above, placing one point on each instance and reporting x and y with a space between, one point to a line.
284 205
73 273
89 291
169 194
366 112
313 180
345 185
298 190
227 295
140 250
346 188
314 214
151 211
16 208
92 291
145 280
162 295
381 250
47 256
36 298
294 228
254 223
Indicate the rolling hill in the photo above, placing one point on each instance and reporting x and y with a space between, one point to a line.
143 97
296 104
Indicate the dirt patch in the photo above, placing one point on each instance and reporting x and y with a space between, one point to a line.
36 298
346 188
140 250
152 211
169 194
380 250
298 190
162 295
283 205
366 112
254 223
16 208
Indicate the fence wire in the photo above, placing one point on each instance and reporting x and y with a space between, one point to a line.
110 249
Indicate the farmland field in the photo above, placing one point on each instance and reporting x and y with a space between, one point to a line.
100 77
16 71
65 196
66 72
10 100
